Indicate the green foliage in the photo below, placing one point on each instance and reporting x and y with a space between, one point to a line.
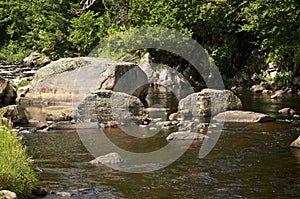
86 31
238 34
16 171
283 78
13 52
22 83
276 28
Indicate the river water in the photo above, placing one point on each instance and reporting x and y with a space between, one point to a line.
248 161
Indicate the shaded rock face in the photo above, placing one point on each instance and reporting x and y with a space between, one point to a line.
71 79
108 109
163 75
14 113
242 116
7 93
210 102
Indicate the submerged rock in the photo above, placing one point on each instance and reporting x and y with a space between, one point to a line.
111 158
242 116
183 135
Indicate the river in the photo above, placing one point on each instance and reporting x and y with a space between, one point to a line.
248 161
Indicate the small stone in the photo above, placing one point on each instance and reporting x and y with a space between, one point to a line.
267 92
287 111
152 128
41 125
8 194
168 123
175 117
296 116
296 143
63 194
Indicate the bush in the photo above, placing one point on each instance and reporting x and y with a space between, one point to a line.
16 169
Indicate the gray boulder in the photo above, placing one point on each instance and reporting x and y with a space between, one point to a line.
296 143
242 116
210 102
108 109
7 93
111 158
71 79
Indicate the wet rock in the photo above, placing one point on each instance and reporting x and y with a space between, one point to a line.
267 92
15 113
257 88
65 80
184 135
42 125
242 116
111 158
7 93
287 112
8 194
278 94
296 116
210 102
63 194
296 143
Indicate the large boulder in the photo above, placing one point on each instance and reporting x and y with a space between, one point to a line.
71 79
242 116
14 113
108 109
7 93
210 102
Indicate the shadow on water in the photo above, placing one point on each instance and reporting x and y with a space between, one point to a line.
249 161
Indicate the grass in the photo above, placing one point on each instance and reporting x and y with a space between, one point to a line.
16 169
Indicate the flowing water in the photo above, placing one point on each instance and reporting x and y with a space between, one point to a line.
248 161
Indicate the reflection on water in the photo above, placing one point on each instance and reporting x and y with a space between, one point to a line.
249 161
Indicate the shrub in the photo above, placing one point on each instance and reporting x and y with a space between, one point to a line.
16 169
